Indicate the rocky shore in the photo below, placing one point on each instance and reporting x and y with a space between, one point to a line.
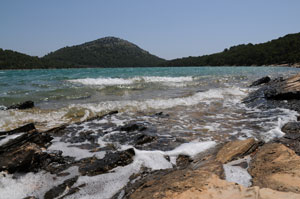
236 169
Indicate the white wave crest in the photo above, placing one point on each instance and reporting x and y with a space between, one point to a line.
122 81
103 81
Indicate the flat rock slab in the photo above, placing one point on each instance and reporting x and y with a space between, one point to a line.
277 167
203 183
236 149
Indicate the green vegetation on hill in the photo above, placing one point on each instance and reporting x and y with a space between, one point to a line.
115 52
284 50
105 52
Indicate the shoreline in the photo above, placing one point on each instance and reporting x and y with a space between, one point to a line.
297 65
210 169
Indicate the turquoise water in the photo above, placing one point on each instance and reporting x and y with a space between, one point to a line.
186 109
61 96
55 87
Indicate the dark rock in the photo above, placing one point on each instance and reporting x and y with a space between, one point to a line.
21 106
260 81
278 93
94 166
58 190
161 115
144 139
243 165
28 157
25 152
30 197
183 161
22 129
291 130
133 127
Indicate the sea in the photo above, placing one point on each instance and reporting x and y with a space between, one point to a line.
193 107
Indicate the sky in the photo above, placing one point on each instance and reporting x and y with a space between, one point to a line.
167 28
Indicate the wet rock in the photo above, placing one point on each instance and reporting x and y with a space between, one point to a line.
291 130
236 149
161 115
278 93
27 157
58 190
144 139
26 152
277 167
21 106
260 81
133 127
94 166
183 161
26 128
285 90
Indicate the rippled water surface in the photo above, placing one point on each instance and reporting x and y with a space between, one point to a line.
199 100
182 110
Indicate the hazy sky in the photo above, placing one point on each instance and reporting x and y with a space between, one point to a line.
167 28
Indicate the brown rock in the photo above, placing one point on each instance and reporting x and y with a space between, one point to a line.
202 184
277 167
235 149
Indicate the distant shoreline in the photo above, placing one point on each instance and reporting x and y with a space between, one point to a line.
297 65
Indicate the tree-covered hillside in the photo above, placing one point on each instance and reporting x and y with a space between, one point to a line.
284 50
105 52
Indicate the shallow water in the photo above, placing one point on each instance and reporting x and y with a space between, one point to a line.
187 109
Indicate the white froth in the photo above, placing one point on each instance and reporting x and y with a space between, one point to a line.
74 151
103 81
106 185
9 137
30 184
287 116
238 174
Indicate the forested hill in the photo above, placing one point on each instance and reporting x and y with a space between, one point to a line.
284 50
105 52
115 52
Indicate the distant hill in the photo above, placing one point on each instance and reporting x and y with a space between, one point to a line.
115 52
105 52
282 51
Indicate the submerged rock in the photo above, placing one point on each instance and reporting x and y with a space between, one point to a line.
21 106
260 81
60 189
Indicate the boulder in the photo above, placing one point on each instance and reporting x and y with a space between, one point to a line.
276 167
260 81
285 90
291 130
21 106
